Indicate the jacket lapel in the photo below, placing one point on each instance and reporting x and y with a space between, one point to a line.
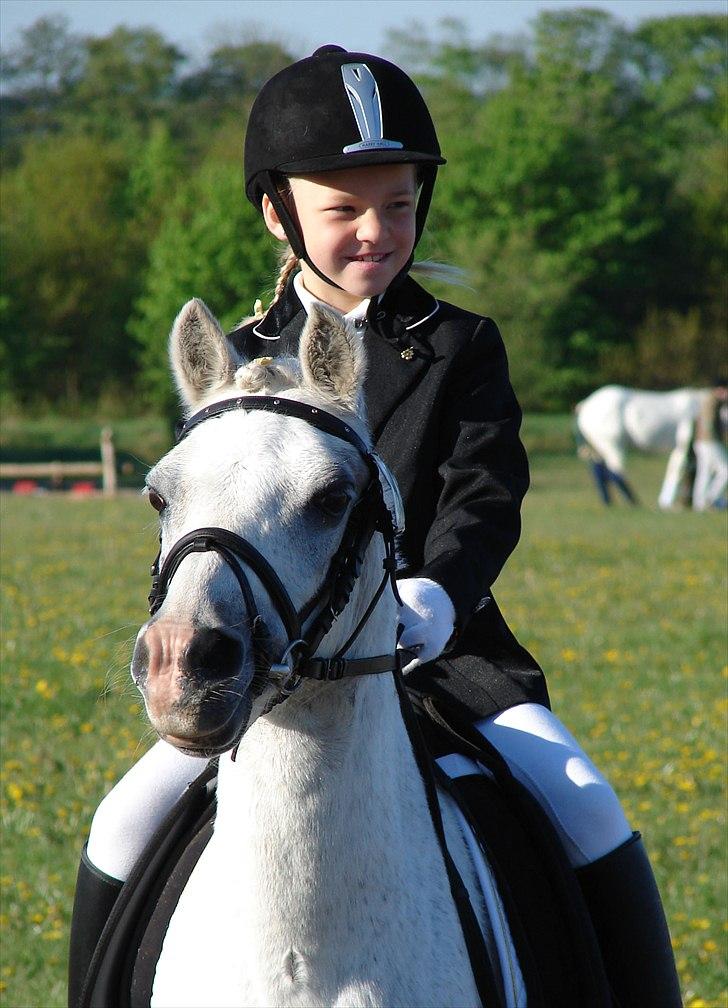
396 338
399 352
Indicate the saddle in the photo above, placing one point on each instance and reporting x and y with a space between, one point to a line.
549 923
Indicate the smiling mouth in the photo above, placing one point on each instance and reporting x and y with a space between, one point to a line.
374 257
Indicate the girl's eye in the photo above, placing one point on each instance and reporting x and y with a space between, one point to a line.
157 501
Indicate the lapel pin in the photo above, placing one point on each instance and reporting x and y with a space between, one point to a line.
408 353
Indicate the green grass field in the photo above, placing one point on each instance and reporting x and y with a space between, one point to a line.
625 609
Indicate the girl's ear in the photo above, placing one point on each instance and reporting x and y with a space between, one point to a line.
272 220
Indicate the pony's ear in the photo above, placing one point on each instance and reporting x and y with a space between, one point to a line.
202 358
332 356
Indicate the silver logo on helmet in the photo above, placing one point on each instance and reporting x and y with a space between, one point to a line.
361 87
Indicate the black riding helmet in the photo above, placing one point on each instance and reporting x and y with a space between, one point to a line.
334 110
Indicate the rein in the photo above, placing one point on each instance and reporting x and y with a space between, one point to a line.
369 514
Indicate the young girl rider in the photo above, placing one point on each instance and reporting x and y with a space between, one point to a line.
341 157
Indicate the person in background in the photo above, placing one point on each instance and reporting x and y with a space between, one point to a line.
711 455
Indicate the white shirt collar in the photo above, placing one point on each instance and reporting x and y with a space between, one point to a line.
357 314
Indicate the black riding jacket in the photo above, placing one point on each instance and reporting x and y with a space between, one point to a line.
445 420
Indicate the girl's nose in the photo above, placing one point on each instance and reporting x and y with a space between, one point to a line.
369 227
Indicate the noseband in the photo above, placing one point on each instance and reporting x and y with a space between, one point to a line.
369 514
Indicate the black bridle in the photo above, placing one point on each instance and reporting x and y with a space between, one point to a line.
369 514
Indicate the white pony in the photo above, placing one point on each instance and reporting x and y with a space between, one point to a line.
615 418
323 883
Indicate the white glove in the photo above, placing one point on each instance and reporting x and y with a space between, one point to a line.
428 618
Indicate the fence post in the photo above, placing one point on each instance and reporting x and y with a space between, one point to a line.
108 462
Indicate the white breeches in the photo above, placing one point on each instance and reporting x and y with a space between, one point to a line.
537 747
547 759
130 813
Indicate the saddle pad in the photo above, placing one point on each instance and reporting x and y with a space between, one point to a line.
499 941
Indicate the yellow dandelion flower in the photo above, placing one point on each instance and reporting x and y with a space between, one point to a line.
15 791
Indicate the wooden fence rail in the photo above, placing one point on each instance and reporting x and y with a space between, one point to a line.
57 471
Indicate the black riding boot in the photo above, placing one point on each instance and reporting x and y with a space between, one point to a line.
622 897
96 894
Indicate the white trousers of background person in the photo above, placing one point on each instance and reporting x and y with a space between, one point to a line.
711 474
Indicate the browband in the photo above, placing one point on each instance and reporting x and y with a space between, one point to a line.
326 422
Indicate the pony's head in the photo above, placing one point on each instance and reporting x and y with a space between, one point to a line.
253 506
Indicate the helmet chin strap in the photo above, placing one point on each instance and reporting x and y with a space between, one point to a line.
295 238
293 235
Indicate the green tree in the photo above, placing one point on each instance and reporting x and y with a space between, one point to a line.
552 173
157 164
67 280
211 244
212 103
129 80
37 77
682 60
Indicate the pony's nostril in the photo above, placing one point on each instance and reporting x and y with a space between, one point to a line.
213 654
140 662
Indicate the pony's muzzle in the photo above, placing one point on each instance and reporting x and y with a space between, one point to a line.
172 659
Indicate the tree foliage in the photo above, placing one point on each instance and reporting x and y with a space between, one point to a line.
69 270
564 175
210 245
584 195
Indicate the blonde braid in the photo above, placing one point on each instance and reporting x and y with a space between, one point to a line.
288 258
289 263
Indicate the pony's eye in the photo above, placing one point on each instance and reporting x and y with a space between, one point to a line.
157 501
333 501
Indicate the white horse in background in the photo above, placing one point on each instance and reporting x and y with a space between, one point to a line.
323 883
614 419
